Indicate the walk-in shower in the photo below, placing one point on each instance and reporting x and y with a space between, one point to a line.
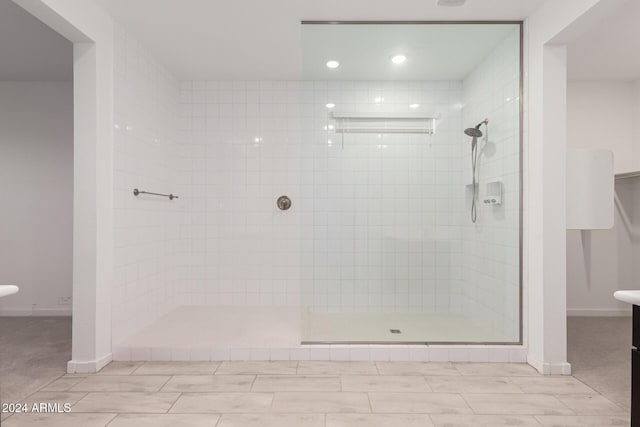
389 253
332 208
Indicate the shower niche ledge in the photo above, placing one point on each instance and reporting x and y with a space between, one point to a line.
384 122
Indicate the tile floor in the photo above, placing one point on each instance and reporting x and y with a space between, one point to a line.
33 352
316 394
599 350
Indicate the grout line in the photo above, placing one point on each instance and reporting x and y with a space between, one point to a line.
24 399
169 378
535 418
426 381
433 422
555 396
132 373
174 403
467 403
115 415
80 400
49 383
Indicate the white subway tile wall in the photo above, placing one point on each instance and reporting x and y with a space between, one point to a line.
371 227
147 228
490 255
242 144
377 230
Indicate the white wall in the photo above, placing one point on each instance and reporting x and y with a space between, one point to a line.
90 28
600 114
146 156
636 125
36 183
491 255
546 32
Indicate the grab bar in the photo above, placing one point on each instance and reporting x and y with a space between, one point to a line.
137 192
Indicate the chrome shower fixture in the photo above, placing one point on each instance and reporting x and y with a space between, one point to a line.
475 133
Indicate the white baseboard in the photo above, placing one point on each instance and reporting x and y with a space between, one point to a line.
556 368
546 368
599 312
88 366
19 312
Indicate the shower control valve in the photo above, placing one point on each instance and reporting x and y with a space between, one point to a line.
284 203
492 201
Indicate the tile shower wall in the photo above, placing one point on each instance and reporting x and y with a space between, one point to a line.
242 143
377 231
490 249
147 229
371 227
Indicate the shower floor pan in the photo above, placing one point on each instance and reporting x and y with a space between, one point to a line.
282 333
378 327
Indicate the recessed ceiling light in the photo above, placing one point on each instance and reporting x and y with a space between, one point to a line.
333 64
398 59
414 105
378 99
330 105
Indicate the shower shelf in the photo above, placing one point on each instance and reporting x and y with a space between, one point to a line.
492 194
385 122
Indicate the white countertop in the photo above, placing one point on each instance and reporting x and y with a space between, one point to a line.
632 297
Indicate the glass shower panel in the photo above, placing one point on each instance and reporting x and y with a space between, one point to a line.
389 252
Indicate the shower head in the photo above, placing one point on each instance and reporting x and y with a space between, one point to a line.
473 132
476 132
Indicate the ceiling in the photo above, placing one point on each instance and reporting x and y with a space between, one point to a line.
30 50
434 52
610 50
260 39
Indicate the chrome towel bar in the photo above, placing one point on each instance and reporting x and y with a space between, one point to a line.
138 192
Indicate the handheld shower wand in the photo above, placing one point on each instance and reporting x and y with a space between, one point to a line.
475 133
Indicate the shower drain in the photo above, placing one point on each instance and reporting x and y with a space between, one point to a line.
395 331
